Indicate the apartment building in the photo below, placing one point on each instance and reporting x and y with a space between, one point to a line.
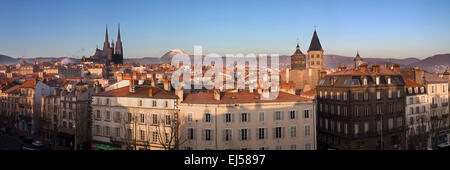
417 114
136 117
235 120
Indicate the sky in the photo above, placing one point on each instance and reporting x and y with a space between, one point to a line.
150 28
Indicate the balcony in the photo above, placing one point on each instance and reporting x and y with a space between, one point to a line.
434 105
445 104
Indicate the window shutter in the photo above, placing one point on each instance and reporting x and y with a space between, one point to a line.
248 117
212 135
231 134
257 133
282 115
266 133
224 118
240 134
274 116
195 133
203 134
211 118
203 118
232 117
273 133
249 134
282 132
224 134
296 115
240 117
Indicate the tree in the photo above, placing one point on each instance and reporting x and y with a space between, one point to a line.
418 137
167 130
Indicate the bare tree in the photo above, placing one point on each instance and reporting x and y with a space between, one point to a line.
418 137
167 129
129 139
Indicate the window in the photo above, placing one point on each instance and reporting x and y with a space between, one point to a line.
98 130
129 117
355 96
356 128
365 81
307 146
155 119
155 136
168 120
207 134
64 114
366 95
261 116
307 130
228 117
389 80
70 116
142 120
154 103
189 117
377 80
107 101
391 123
293 147
292 114
108 116
70 125
207 117
261 133
278 132
331 94
366 127
378 95
116 116
107 131
338 96
293 131
278 115
166 104
244 134
432 89
399 94
339 127
345 96
228 135
390 94
191 133
245 117
140 103
117 132
278 148
338 110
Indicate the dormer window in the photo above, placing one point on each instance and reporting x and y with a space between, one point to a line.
410 90
422 89
416 90
377 80
389 80
365 81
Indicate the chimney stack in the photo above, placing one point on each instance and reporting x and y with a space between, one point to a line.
396 68
150 92
166 85
323 73
375 68
216 94
132 86
287 75
344 67
363 67
179 92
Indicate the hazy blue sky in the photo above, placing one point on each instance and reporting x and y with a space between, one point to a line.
377 28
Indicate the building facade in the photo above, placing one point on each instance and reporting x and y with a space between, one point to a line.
361 109
240 120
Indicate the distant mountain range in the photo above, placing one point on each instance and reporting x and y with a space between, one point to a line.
436 63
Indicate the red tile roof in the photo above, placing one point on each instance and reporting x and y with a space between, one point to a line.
239 97
410 83
141 92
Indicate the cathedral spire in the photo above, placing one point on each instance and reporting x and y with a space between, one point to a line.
106 43
315 42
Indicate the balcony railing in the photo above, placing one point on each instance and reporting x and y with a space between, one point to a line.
434 105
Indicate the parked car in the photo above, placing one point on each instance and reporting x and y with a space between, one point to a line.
28 140
37 144
31 148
